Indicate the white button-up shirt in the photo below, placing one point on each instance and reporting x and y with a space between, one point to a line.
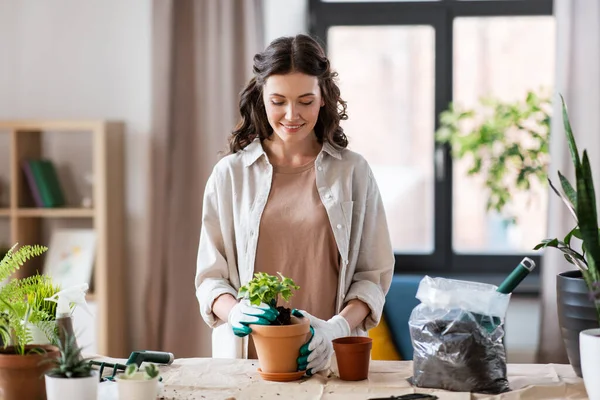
234 199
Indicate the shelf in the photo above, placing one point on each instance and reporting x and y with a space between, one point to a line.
56 212
35 125
4 212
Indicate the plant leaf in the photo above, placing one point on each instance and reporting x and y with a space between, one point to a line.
569 133
568 190
564 199
586 206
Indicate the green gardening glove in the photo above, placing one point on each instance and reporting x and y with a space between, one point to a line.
244 314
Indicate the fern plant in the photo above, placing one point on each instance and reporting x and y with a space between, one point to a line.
17 306
70 363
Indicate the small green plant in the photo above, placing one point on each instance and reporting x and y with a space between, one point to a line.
507 144
265 288
70 364
150 371
20 301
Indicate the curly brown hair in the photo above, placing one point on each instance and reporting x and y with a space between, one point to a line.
300 53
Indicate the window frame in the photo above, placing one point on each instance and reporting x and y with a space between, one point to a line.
440 15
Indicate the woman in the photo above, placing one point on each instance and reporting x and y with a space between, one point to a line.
291 198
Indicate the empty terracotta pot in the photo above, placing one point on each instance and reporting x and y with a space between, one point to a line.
278 346
353 355
22 377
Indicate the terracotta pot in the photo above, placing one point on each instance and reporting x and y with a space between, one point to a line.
278 346
353 355
22 377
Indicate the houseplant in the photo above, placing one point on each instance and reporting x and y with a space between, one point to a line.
39 313
507 144
21 367
277 345
134 384
72 376
578 299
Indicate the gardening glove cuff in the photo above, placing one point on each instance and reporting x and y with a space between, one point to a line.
316 354
244 314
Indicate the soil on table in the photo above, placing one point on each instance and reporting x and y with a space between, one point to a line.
284 317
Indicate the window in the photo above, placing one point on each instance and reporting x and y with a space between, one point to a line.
400 64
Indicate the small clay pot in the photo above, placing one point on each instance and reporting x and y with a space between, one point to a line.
353 355
278 346
22 377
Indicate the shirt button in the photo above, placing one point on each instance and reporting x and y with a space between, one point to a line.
339 226
320 168
328 196
251 233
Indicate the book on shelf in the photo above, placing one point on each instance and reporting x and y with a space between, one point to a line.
43 183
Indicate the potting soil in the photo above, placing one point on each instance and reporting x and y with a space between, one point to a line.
457 352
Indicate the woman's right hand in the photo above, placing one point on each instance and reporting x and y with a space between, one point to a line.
244 314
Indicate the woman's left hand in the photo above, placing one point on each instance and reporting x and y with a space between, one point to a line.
316 353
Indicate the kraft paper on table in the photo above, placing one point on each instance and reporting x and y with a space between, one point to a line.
206 378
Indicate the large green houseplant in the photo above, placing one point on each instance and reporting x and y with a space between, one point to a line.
578 297
580 200
21 367
506 143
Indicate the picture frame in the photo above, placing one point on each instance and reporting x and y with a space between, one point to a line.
70 257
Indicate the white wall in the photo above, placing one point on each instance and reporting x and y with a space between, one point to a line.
86 59
522 328
284 18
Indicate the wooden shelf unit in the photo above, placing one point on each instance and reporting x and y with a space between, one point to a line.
106 217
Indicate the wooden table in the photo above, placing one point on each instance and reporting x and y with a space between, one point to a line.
206 378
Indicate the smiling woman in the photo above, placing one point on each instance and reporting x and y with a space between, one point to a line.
291 199
292 103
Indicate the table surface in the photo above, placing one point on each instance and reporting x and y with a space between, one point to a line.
208 378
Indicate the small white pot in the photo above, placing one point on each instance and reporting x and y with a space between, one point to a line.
137 388
72 388
589 351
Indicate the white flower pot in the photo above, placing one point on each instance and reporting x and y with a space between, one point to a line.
589 351
72 388
137 388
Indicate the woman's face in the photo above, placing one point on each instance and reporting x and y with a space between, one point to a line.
292 102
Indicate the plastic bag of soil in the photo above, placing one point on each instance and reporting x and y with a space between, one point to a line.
457 334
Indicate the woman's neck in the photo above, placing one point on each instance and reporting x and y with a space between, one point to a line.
294 154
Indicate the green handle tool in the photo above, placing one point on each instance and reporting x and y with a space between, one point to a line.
157 357
516 276
507 286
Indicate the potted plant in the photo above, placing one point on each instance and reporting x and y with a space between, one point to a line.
578 298
72 376
277 345
21 368
39 314
506 143
134 384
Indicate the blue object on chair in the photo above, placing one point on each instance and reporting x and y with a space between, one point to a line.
399 303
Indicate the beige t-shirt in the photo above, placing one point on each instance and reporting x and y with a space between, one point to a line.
296 239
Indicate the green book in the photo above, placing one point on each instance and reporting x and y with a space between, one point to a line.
51 177
37 170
